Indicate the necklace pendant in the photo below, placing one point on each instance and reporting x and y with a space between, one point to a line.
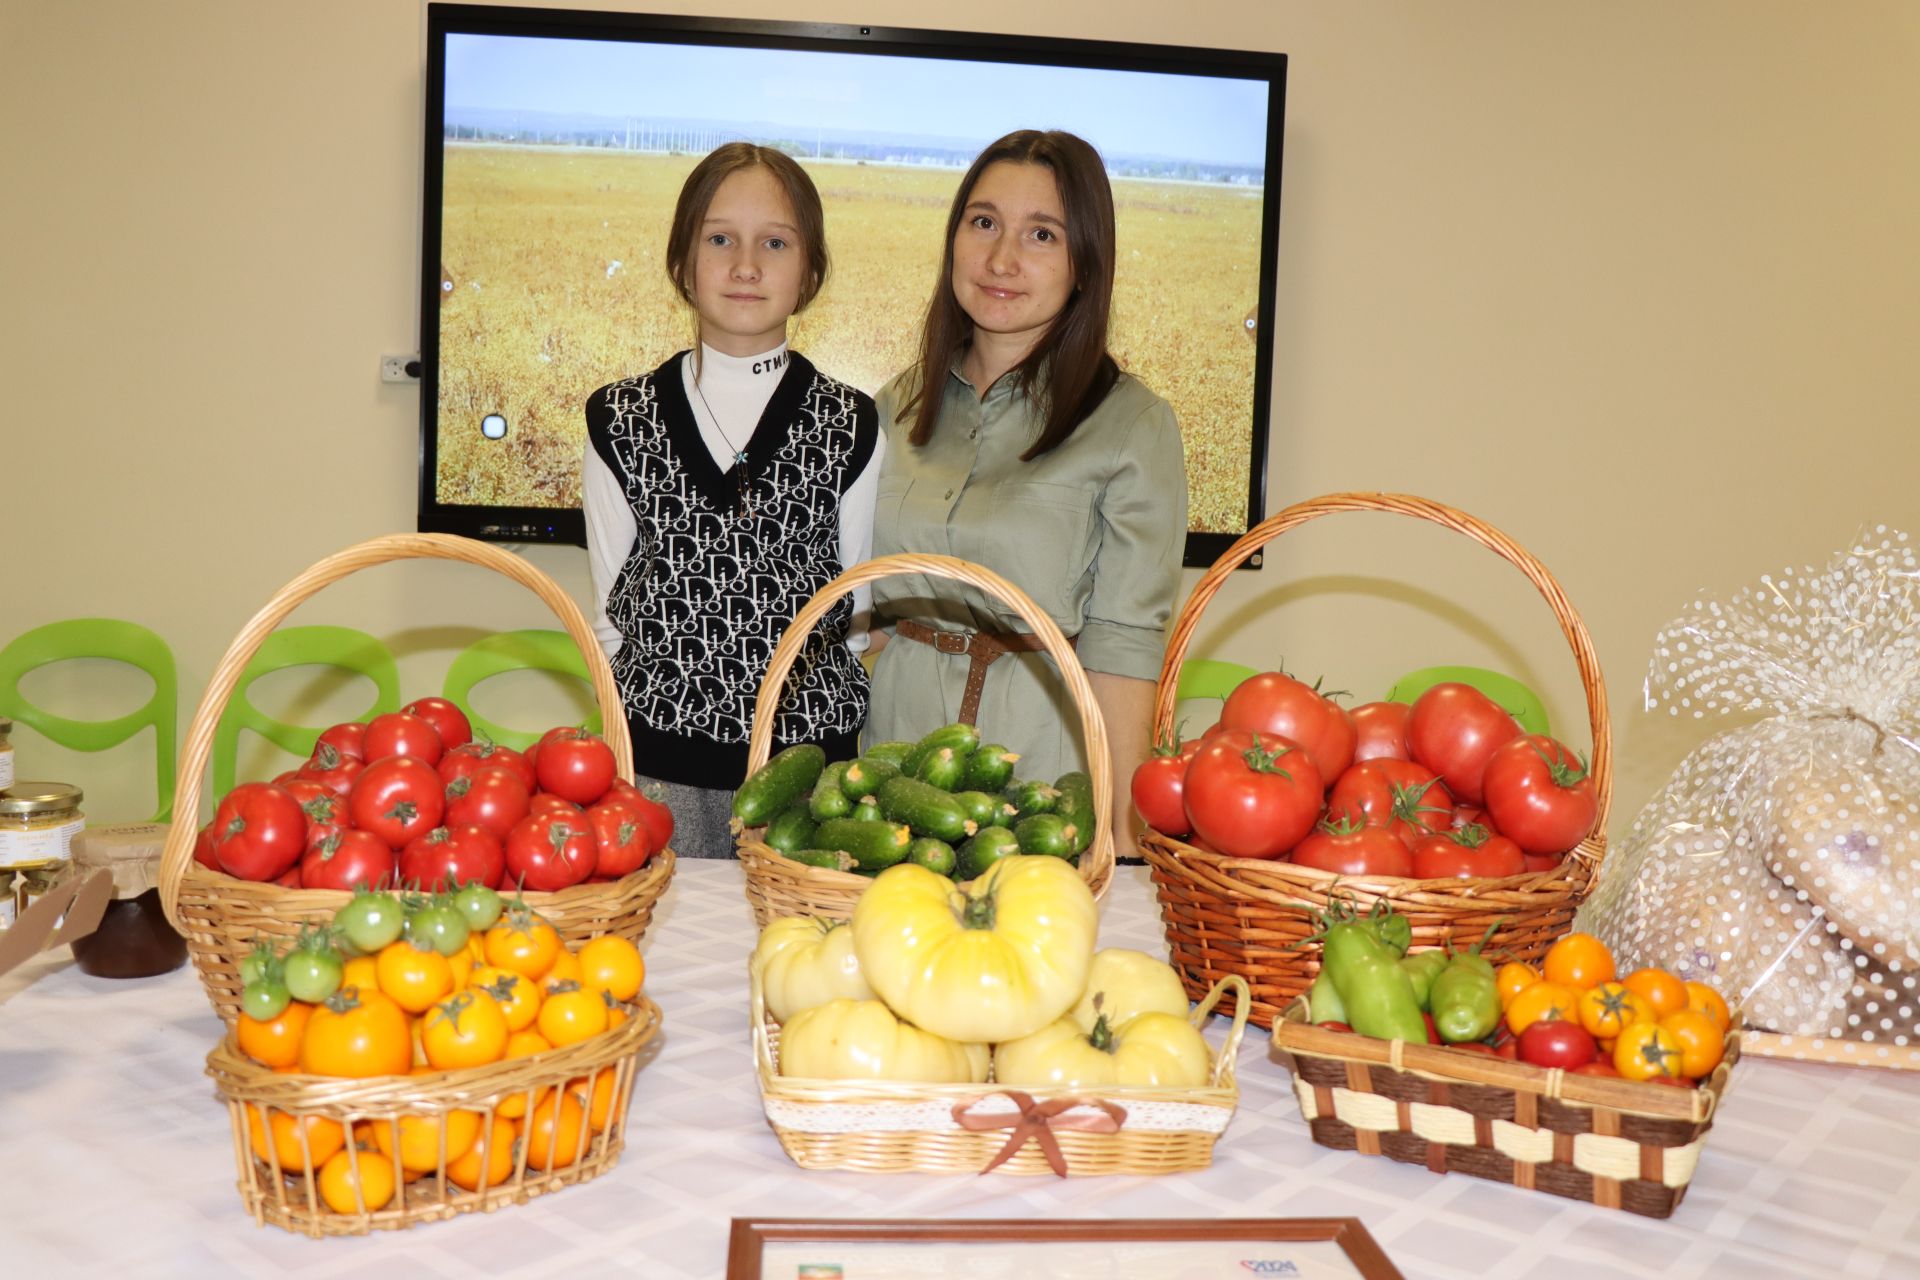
740 458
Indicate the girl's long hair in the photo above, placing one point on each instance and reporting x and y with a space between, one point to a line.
696 196
1068 372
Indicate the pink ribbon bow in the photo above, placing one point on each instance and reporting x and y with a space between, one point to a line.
1036 1122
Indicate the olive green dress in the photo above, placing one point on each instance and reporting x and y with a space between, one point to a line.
1093 530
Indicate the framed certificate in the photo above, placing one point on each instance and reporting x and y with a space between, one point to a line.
1081 1249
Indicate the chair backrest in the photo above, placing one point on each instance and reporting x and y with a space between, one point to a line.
1209 678
1522 703
115 640
314 646
533 650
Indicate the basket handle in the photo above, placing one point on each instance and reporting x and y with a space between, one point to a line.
1242 1002
1571 626
1093 729
178 852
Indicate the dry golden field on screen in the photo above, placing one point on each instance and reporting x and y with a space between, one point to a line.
557 287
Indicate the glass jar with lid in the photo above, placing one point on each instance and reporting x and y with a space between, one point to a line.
38 821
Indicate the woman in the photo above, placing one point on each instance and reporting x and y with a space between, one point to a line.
1017 443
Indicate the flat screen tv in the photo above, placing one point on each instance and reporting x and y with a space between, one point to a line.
557 141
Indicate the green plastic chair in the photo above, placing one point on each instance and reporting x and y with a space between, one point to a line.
505 651
1209 678
115 640
1522 703
315 646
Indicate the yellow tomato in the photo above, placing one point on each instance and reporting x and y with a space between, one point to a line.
356 1182
279 1138
1663 992
597 1098
1704 998
523 943
1610 1008
863 1040
612 964
362 972
1645 1050
275 1042
565 968
518 997
1512 978
1701 1043
1122 984
411 977
417 1138
571 1014
467 1029
357 1033
803 961
556 1132
521 1044
1542 1002
489 1162
1578 961
1153 1050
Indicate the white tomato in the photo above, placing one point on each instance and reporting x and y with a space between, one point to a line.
1153 1050
863 1040
1124 983
803 961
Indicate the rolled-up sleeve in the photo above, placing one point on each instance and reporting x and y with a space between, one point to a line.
1143 532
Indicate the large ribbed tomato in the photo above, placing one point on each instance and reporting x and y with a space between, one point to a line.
1252 795
803 961
863 1040
1276 703
1152 1050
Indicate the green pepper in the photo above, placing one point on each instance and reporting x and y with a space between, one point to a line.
1323 1000
1376 991
1423 968
1466 997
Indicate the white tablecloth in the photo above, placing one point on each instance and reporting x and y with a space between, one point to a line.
115 1156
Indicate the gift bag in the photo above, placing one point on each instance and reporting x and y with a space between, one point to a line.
1782 861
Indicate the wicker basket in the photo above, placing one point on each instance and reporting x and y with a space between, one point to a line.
875 1126
222 917
1619 1144
292 1199
1251 917
779 886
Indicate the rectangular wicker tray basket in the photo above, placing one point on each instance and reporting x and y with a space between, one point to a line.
1615 1143
875 1126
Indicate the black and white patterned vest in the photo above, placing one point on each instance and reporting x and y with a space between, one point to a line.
715 574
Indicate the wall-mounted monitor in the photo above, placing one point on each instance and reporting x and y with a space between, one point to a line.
557 141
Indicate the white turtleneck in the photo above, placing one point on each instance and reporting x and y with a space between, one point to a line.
728 397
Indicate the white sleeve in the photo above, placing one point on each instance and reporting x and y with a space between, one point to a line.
856 538
610 533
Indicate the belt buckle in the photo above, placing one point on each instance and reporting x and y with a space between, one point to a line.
954 642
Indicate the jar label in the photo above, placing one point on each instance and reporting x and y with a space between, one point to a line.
38 848
6 767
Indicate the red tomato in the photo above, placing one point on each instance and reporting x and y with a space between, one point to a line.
494 798
448 719
1539 793
549 852
547 802
332 768
454 856
1471 815
1600 1067
469 758
290 878
1555 1042
1380 730
398 733
1543 861
1275 703
1354 849
203 849
622 842
323 806
345 858
258 831
653 812
397 799
1452 730
348 740
1159 790
1433 1032
1469 852
1404 797
575 765
1253 795
1507 1049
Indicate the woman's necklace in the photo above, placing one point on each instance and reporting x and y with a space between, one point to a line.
741 508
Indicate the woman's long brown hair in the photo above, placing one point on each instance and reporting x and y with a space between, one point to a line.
1068 372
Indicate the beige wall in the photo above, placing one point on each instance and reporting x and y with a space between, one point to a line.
1637 282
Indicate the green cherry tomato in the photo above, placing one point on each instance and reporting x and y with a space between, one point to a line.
265 1000
370 921
256 962
440 925
313 974
479 905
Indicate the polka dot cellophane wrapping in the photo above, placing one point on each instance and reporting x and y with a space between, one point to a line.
1781 863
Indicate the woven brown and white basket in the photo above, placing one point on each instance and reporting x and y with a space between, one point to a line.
779 886
222 917
876 1126
1254 917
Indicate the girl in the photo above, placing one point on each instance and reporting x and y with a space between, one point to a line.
1016 442
724 489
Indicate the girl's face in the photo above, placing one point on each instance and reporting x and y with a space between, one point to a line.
748 266
1012 272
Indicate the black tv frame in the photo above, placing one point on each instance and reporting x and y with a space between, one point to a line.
547 525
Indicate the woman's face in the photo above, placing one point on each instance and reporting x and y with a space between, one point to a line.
748 265
1012 272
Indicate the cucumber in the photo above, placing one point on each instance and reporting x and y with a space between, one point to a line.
778 783
831 859
1032 797
990 768
959 735
864 776
1076 806
791 828
866 809
979 807
830 799
925 808
1046 833
943 768
988 846
934 855
875 846
894 753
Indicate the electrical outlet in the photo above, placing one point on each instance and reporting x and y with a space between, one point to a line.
400 368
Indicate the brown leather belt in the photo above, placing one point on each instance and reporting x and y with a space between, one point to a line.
982 648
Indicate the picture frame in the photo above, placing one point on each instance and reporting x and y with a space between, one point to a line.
987 1248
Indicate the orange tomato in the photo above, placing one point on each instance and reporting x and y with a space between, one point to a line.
1542 1002
1609 1009
518 997
1663 992
1578 960
489 1162
1701 1042
357 1033
616 1012
521 1044
413 978
352 1182
1646 1050
613 965
416 1139
565 968
362 972
571 1014
460 964
522 942
556 1132
275 1042
597 1098
278 1139
1708 1001
467 1029
1512 978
